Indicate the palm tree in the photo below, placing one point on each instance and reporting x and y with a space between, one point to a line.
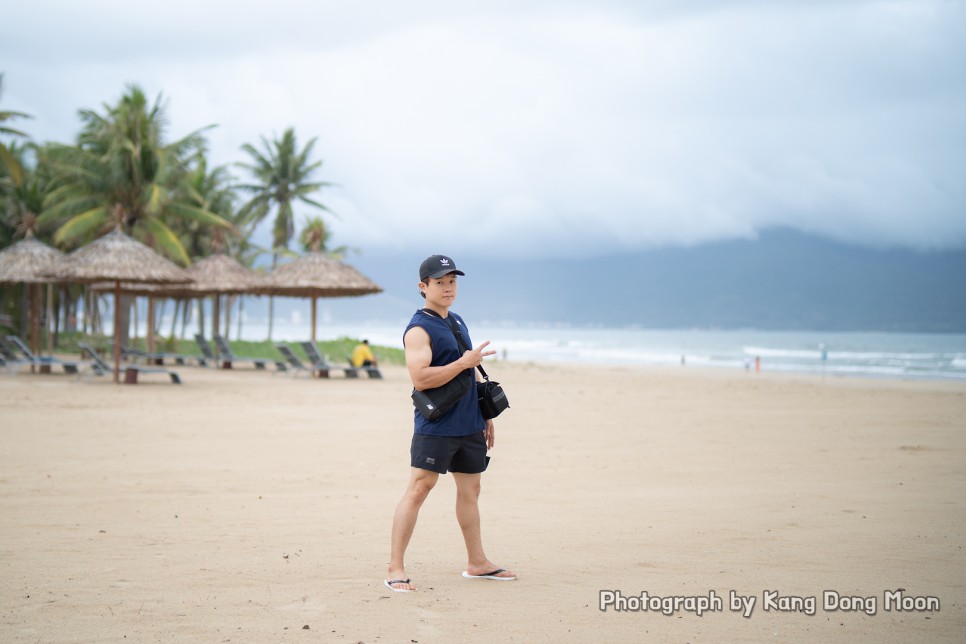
315 239
121 172
215 191
8 161
20 201
282 175
212 191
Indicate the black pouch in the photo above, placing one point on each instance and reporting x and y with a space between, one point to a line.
493 399
433 403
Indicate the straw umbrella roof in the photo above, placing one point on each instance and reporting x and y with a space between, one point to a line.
216 274
315 275
28 261
118 257
223 274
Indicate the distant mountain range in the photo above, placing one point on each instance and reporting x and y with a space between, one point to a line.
784 280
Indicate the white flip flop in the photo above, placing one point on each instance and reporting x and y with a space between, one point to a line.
388 583
490 575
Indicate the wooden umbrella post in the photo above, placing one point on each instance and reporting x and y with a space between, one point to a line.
117 331
215 318
149 336
314 299
50 324
32 321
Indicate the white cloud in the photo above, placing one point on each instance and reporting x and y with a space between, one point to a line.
557 129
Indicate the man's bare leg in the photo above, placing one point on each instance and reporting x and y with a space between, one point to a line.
404 522
468 515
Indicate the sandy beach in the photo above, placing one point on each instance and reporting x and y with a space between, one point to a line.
249 507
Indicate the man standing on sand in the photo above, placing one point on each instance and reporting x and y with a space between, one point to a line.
455 442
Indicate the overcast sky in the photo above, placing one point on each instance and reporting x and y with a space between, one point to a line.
546 128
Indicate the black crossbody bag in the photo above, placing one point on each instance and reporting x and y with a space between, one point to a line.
433 403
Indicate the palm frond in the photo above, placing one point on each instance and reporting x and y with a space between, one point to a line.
82 226
10 163
166 241
192 213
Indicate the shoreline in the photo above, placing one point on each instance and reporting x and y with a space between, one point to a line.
900 355
580 365
727 373
731 371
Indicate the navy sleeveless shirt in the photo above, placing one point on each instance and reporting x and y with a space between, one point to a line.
465 417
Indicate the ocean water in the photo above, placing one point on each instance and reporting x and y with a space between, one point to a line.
894 355
891 355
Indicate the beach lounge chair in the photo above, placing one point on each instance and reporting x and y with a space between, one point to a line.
206 351
321 366
14 344
9 357
131 371
8 360
157 358
371 371
292 361
228 357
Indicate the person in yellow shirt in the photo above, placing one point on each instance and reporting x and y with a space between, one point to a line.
362 356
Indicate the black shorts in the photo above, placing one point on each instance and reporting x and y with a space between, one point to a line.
462 454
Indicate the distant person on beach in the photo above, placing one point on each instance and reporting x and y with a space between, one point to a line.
458 440
362 355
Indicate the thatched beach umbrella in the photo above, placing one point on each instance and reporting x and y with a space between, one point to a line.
27 262
214 275
219 275
118 258
314 275
150 291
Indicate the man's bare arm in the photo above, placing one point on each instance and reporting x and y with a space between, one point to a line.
419 354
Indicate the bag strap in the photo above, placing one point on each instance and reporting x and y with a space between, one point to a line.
454 327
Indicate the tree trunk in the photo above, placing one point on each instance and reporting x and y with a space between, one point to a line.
174 318
186 315
271 315
70 309
88 312
215 318
97 314
201 317
149 327
241 310
134 314
120 308
123 333
59 305
24 325
48 320
229 300
271 302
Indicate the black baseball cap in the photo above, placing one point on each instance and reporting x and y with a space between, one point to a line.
437 266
